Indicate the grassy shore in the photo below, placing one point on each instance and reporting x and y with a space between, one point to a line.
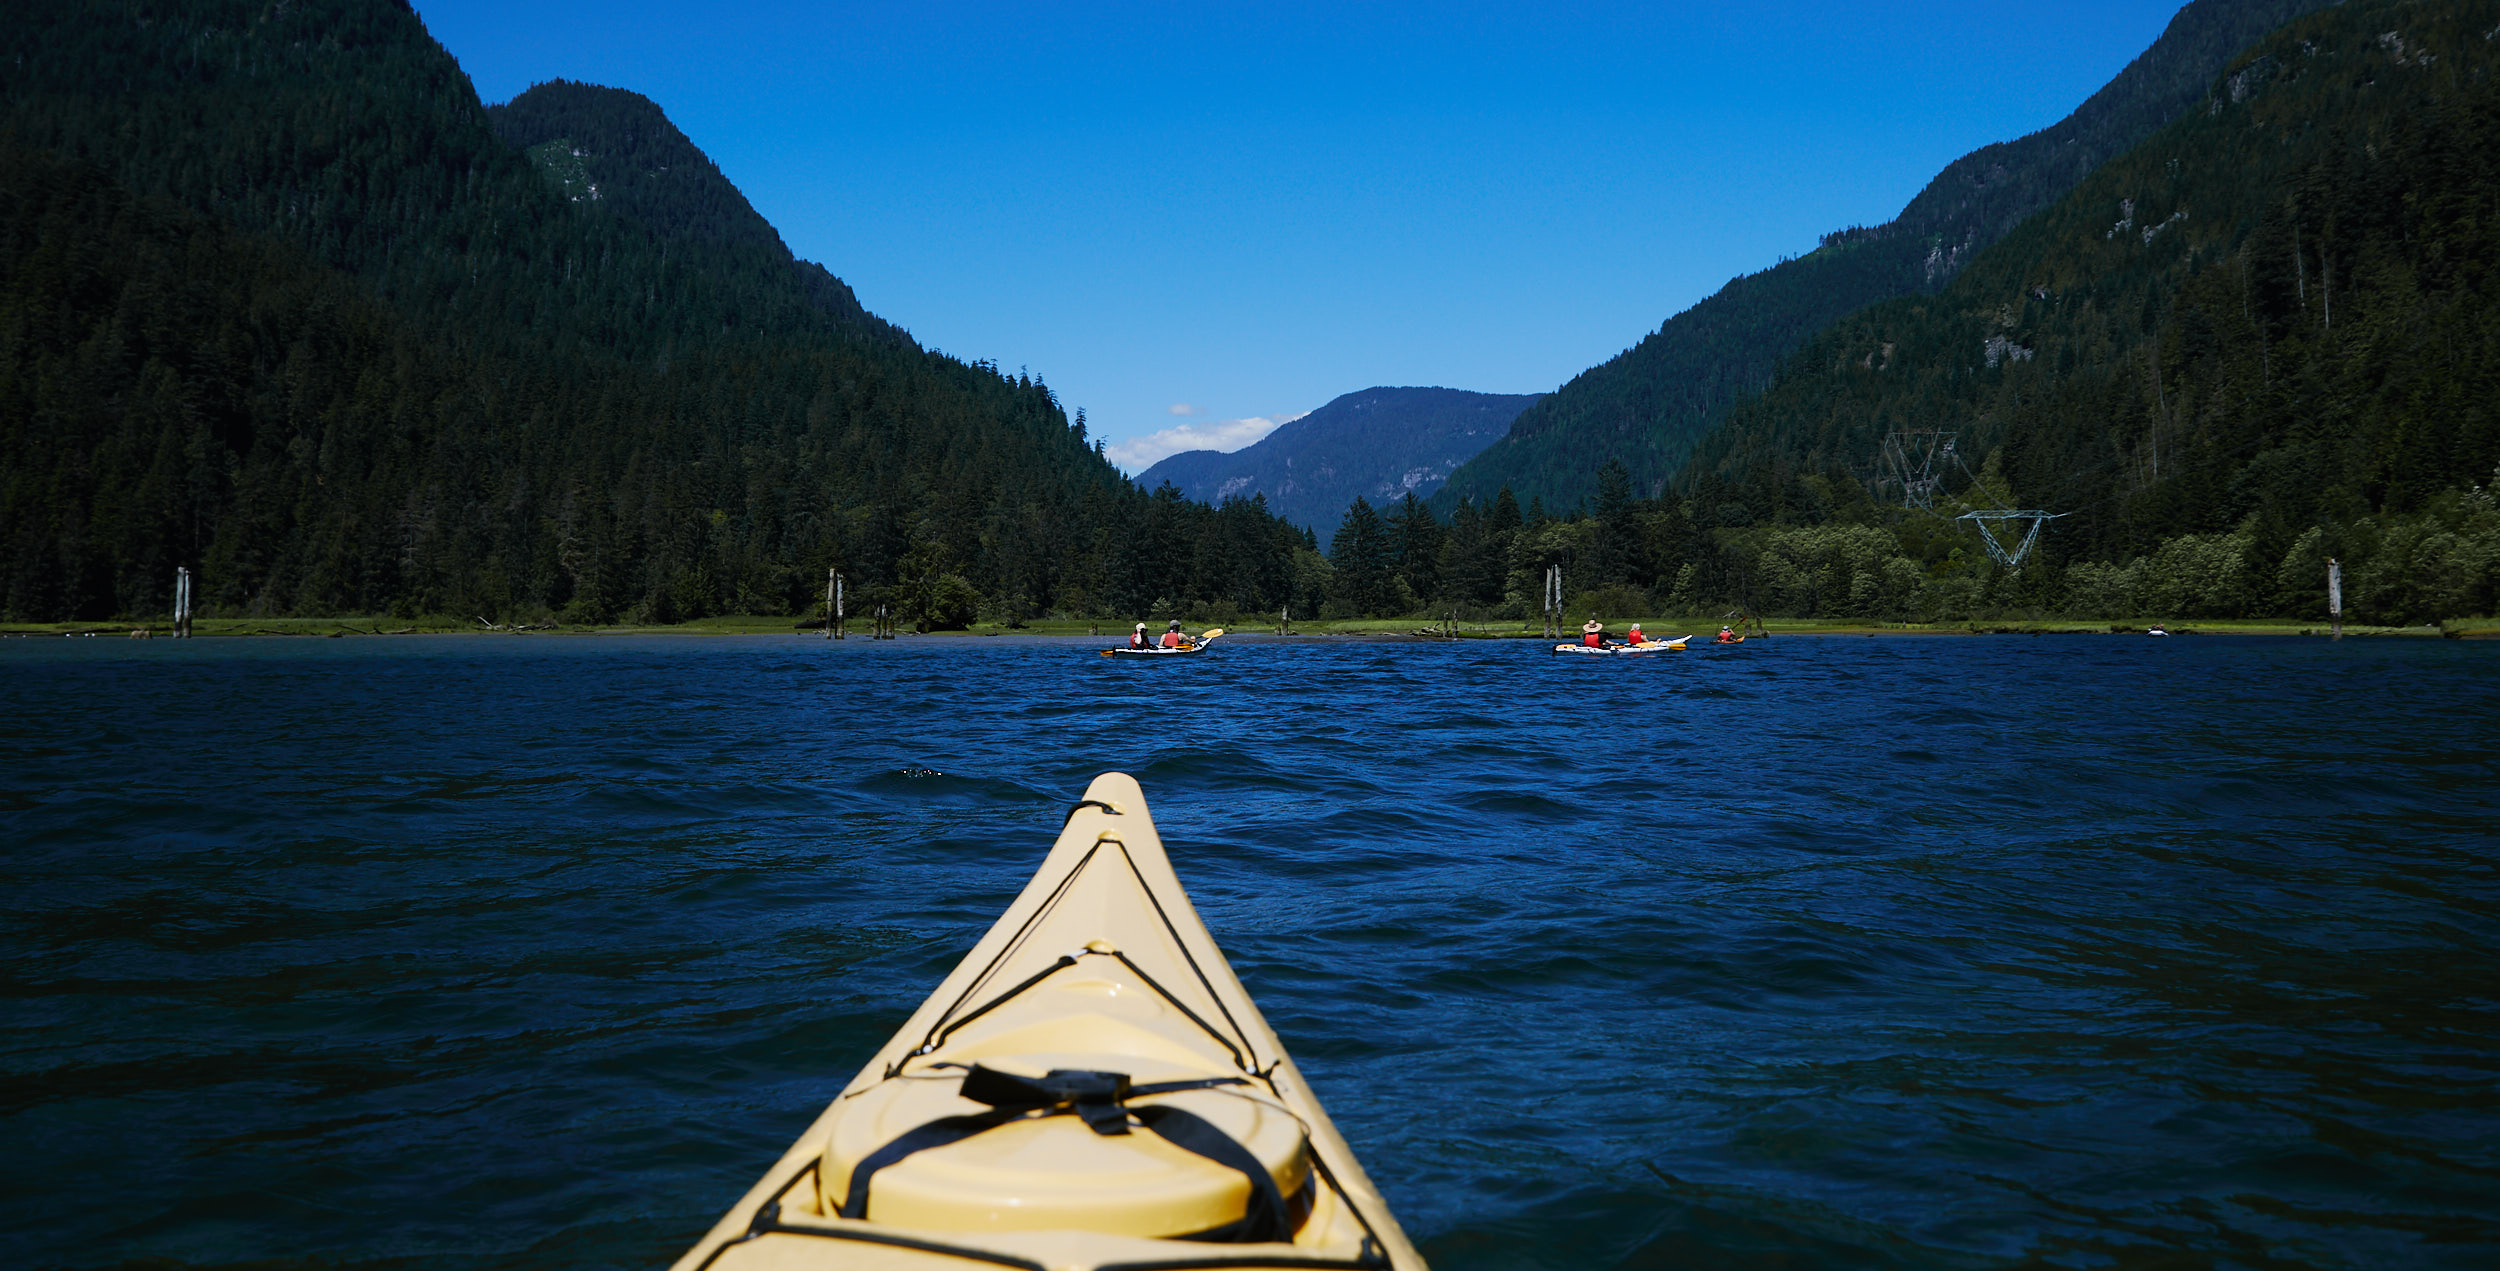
1372 628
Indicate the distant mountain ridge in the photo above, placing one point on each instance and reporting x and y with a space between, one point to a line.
1650 404
1376 444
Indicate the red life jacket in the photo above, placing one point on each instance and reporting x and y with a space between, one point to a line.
1137 640
1594 639
1171 639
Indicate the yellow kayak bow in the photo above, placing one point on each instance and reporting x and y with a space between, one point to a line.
1091 1089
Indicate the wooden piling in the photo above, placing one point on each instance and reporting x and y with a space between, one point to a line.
2335 595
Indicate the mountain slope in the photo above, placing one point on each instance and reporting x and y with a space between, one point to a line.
277 302
2273 324
1377 444
1648 405
613 147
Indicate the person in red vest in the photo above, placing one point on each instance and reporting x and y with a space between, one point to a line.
1172 638
1634 637
1727 635
1593 634
1137 639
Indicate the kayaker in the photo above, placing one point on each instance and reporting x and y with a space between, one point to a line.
1137 639
1593 634
1172 637
1634 638
1727 635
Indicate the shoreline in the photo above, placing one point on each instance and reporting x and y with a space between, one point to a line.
1367 630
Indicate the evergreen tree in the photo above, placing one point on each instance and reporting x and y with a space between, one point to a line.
1504 518
1615 556
1362 560
1415 538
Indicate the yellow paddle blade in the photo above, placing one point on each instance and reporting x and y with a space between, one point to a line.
1106 653
1212 632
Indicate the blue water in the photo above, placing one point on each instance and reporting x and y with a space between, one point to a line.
479 952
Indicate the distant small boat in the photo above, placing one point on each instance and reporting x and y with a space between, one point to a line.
1182 652
1645 646
1197 644
2155 629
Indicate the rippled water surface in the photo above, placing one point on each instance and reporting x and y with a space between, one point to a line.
1818 952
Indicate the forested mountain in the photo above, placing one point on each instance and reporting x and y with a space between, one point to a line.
278 302
1648 405
1378 444
2269 336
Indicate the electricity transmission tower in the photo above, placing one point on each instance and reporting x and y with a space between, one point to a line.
1916 459
2010 557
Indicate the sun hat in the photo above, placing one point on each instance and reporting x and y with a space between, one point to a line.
1592 625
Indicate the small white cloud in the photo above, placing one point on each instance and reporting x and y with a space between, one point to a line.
1137 455
1180 408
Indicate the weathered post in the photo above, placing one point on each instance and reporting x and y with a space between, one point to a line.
2335 595
182 602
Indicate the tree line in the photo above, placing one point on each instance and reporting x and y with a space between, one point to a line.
1870 561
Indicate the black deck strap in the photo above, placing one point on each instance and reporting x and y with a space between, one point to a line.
1096 1097
936 1133
1083 804
1194 968
938 1038
1240 1060
1263 1215
768 1222
1090 1094
1012 944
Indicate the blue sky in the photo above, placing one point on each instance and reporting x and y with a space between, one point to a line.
1211 218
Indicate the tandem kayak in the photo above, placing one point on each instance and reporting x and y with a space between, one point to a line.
1090 1088
1645 646
1197 644
1155 653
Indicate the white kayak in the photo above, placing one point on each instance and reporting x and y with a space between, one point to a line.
1646 646
1190 645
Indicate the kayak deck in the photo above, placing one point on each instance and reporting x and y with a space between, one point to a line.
1091 1088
